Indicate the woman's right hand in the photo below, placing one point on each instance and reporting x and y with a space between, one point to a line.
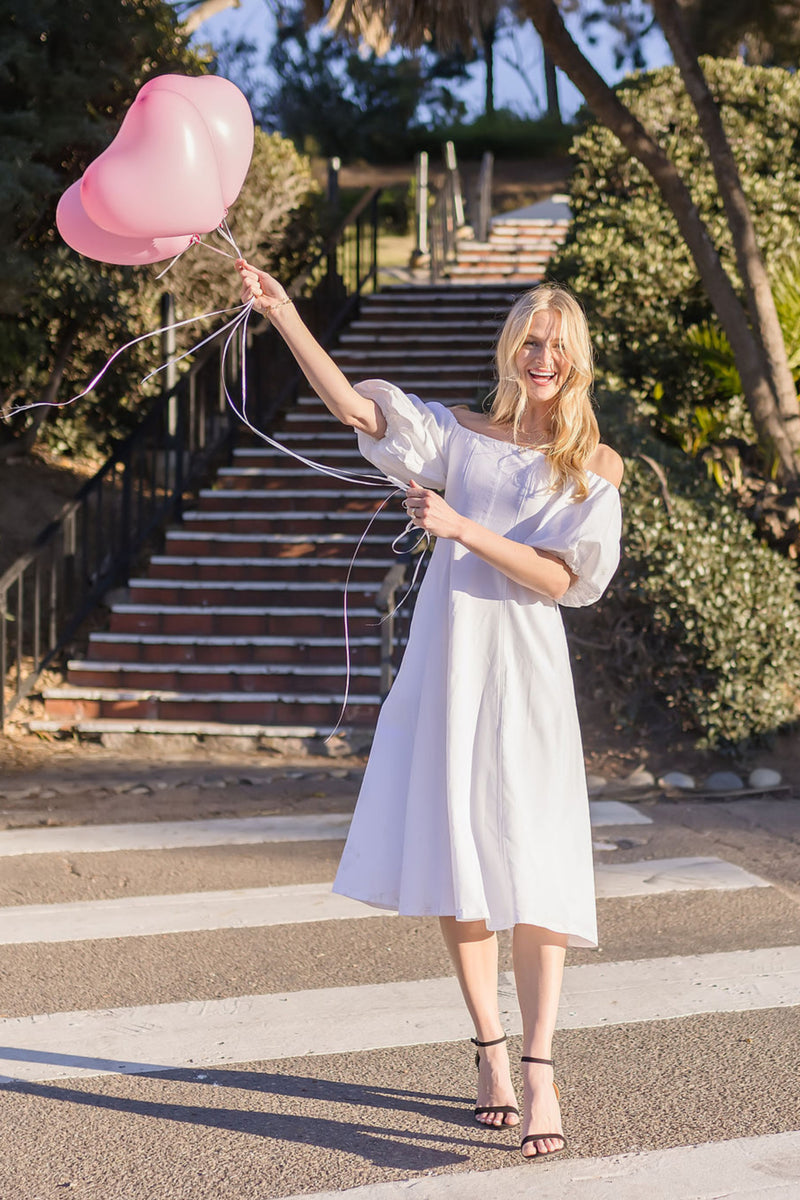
261 288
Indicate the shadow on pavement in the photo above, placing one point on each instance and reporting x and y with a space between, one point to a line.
383 1145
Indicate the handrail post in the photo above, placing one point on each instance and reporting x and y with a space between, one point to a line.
374 214
421 201
167 355
451 164
484 197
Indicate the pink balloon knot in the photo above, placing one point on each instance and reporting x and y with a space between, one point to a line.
194 240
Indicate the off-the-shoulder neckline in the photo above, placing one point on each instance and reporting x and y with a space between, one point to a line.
487 437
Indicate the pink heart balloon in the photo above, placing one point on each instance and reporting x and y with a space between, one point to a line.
225 110
159 177
79 232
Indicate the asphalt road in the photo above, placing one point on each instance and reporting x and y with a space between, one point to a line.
215 1055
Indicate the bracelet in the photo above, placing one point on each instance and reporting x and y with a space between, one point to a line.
271 308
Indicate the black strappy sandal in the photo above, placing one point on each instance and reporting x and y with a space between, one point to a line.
538 1137
492 1108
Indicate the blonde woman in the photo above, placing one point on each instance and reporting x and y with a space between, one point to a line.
473 807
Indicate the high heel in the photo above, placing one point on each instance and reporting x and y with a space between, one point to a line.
539 1137
492 1108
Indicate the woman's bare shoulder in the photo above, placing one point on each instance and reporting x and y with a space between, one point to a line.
468 417
606 462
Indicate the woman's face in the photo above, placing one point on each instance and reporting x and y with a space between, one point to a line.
540 361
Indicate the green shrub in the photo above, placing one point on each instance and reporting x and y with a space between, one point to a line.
702 615
624 255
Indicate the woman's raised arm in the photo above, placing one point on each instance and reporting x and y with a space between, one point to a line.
316 364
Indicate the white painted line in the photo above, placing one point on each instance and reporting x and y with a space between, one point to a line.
284 515
658 876
231 560
254 585
248 610
179 668
193 728
233 698
145 916
247 1029
282 493
253 908
616 812
171 835
328 538
757 1168
179 639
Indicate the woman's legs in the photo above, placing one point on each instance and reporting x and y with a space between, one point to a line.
473 950
538 970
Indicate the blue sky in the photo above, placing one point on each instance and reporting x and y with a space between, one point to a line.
252 20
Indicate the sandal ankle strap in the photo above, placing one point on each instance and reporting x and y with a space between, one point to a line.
548 1062
496 1041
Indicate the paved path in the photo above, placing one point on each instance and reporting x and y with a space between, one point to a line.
187 1011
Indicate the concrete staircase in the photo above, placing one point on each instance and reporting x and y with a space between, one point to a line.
516 253
237 628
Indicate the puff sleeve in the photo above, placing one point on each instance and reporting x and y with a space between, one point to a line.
415 443
586 536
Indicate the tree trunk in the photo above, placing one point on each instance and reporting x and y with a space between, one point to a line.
758 293
551 89
760 390
488 38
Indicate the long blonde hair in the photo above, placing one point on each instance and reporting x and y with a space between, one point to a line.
575 434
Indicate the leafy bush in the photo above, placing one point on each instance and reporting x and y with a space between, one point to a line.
66 77
625 256
702 615
504 132
723 607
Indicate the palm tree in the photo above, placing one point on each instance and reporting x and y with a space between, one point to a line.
752 325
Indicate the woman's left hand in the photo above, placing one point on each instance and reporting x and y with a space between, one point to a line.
427 510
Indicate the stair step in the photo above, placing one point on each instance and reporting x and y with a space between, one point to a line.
421 337
272 524
290 545
229 651
192 678
216 567
202 729
271 708
203 621
248 592
273 501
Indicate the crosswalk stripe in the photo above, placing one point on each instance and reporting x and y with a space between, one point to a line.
244 1029
756 1168
234 831
616 812
139 916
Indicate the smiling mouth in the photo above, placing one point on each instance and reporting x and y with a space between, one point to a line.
542 376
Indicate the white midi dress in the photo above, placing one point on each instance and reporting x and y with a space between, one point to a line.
474 800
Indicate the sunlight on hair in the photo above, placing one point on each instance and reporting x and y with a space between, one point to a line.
575 434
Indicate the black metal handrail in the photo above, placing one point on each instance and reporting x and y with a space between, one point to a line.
93 543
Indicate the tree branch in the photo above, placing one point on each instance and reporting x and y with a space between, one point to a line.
758 291
204 11
748 347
